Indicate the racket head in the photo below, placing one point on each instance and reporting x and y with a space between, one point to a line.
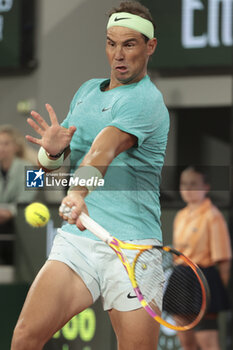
185 289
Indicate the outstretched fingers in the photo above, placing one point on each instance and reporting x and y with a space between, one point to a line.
49 133
42 123
33 140
52 114
35 126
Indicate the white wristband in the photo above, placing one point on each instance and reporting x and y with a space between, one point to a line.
87 176
47 163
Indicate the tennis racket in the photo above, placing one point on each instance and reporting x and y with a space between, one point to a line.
185 290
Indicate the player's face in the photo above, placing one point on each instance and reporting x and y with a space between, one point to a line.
7 147
193 189
128 55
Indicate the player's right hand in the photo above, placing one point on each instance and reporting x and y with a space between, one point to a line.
54 138
71 207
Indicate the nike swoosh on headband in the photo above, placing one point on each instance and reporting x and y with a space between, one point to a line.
119 19
131 21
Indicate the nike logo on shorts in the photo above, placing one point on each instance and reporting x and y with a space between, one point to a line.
129 296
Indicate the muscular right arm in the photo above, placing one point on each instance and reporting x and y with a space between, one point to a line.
110 142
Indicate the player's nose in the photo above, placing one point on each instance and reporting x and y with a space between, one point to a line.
119 53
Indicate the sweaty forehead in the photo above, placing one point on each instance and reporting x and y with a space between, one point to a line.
123 33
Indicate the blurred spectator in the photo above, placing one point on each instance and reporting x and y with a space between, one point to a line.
14 156
201 233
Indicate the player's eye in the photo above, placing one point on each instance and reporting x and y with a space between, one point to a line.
129 45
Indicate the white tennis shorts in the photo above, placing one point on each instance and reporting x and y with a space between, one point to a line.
102 271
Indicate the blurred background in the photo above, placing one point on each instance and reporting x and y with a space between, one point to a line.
48 48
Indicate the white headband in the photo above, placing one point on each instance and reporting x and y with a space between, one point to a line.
128 20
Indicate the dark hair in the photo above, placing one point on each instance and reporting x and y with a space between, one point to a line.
201 170
135 8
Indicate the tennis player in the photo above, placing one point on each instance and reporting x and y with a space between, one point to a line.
120 121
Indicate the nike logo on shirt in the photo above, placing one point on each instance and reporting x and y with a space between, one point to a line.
106 109
78 103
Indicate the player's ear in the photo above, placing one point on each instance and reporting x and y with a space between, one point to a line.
151 46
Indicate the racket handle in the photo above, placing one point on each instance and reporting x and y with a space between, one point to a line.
95 228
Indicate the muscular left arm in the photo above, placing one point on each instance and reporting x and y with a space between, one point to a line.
224 270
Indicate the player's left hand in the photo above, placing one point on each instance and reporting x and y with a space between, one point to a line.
54 138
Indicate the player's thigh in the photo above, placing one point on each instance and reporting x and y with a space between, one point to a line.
135 329
56 295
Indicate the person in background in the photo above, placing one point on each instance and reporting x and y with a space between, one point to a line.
13 158
200 232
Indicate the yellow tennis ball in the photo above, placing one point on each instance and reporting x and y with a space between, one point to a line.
37 214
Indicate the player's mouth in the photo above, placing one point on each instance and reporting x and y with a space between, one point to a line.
121 69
